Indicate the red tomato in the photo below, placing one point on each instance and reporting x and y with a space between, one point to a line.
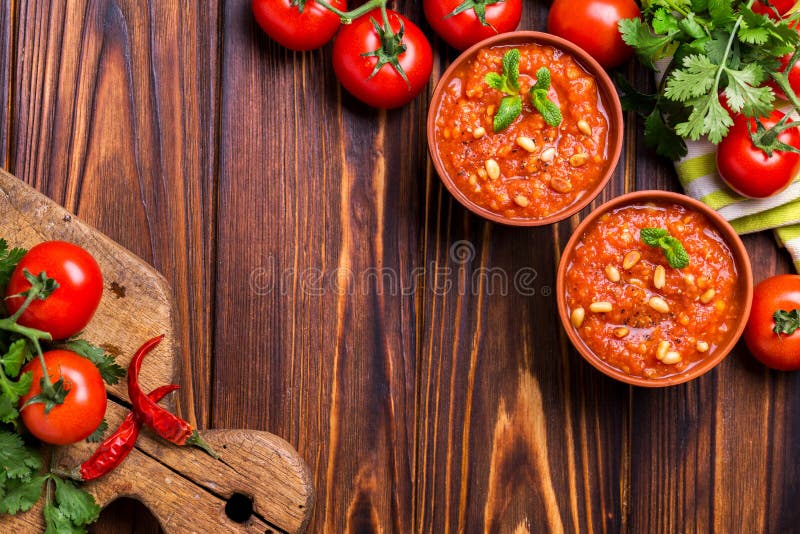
782 5
83 408
747 169
794 77
778 351
385 88
592 25
308 30
71 306
465 29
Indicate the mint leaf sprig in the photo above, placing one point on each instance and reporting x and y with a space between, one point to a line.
676 255
506 82
511 106
540 100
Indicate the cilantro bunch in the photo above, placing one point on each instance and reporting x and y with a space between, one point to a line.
715 48
23 479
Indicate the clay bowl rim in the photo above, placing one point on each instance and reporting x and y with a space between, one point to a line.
744 275
609 98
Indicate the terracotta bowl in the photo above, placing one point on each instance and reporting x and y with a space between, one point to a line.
744 290
609 99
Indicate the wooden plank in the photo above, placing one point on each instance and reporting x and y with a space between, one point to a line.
6 52
116 133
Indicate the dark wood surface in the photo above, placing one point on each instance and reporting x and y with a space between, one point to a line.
330 289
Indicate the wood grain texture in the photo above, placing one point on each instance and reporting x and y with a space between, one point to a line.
334 293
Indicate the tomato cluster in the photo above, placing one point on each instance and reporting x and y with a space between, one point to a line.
53 293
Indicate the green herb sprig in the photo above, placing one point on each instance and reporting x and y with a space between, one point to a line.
676 255
716 47
511 105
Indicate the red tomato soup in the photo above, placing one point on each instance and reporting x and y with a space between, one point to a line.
542 169
637 313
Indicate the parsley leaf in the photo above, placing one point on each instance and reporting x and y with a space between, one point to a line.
8 261
673 249
786 322
540 100
99 432
109 369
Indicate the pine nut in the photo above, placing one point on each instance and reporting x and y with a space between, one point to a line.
521 201
479 132
612 273
527 143
584 127
621 332
660 277
658 304
671 358
492 169
663 348
490 110
631 259
548 155
702 346
577 316
560 185
600 307
578 160
706 297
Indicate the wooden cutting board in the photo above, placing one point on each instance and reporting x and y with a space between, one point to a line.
184 488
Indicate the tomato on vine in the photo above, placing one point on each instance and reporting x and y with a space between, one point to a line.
382 58
70 303
83 405
759 171
298 24
462 23
781 5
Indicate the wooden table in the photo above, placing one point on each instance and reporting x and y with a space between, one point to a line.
325 283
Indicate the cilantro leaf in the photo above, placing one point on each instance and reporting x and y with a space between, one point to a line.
509 109
15 357
708 117
8 261
744 91
57 521
99 432
664 21
8 410
17 460
17 389
786 322
660 136
75 504
109 369
673 249
541 101
694 80
21 494
648 46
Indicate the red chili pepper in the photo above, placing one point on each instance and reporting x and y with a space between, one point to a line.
164 423
118 445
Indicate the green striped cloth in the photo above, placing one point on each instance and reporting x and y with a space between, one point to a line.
698 175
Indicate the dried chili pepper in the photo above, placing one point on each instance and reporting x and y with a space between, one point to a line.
164 423
118 445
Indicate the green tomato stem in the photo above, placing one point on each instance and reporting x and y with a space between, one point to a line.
347 17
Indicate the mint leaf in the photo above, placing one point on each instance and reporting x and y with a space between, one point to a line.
539 99
786 322
511 69
494 80
75 504
510 108
676 255
109 369
650 236
99 432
